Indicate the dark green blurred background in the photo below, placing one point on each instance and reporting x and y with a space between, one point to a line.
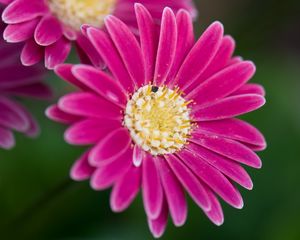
267 32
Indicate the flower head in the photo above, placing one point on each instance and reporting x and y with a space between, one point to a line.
49 26
162 118
17 81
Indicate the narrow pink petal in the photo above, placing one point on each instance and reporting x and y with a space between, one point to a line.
125 189
215 214
189 181
48 31
88 105
6 2
229 107
31 53
158 226
106 175
250 88
21 11
90 131
81 169
166 47
200 56
7 140
57 53
55 114
185 41
110 147
223 83
213 178
152 188
148 38
101 83
138 156
234 129
110 55
174 193
228 167
228 148
21 31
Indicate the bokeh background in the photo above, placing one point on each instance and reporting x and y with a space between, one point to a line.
38 201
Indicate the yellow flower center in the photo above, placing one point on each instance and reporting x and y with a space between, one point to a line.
158 119
74 13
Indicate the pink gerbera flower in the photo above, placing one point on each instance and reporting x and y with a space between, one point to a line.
17 81
163 117
49 26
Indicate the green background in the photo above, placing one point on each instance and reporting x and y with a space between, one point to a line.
38 201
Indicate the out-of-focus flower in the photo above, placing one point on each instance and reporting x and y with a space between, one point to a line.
163 117
17 81
48 27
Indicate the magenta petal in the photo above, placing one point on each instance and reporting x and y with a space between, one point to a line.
31 53
200 56
229 107
148 38
54 113
228 167
152 188
130 52
21 11
138 156
228 148
7 140
213 178
88 105
234 129
110 55
90 131
101 83
48 31
106 175
81 169
36 90
174 193
190 182
110 147
223 83
57 53
215 214
250 88
21 31
166 47
125 189
158 226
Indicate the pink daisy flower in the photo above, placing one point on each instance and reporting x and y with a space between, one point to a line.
17 81
48 27
163 117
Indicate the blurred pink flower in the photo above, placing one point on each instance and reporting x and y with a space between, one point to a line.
17 81
48 27
163 117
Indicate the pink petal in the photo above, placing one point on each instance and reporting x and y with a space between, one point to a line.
138 156
81 170
148 38
125 189
152 189
130 52
215 214
110 55
228 148
106 175
31 53
213 178
88 105
112 146
7 140
174 193
229 107
48 31
189 181
250 88
90 131
200 56
166 46
57 53
55 114
101 83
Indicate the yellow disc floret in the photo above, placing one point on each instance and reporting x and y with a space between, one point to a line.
74 13
158 119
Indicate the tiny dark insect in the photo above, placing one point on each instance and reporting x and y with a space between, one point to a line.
154 89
